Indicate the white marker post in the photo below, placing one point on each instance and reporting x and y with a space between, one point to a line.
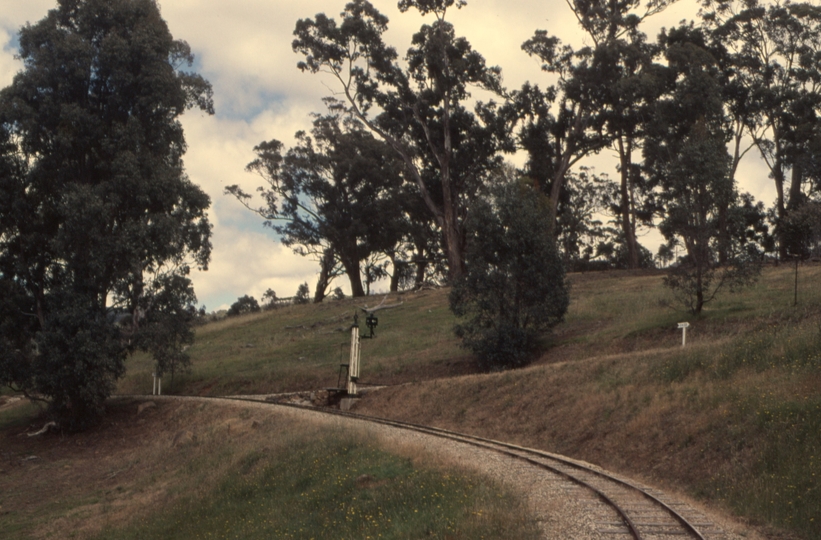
353 365
684 326
157 389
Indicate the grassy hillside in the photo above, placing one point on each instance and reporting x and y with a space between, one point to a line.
734 418
301 347
188 469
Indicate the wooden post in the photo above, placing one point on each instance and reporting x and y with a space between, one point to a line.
353 365
683 326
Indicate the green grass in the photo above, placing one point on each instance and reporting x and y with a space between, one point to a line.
299 347
247 472
334 486
768 380
743 393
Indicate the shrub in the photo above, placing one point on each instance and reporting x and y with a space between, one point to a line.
303 294
514 285
245 304
269 300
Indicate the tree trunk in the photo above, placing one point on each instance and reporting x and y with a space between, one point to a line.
396 273
781 210
452 227
565 163
723 236
795 187
451 231
699 291
627 207
326 265
421 263
556 190
354 275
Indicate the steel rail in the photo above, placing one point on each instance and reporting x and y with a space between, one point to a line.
500 447
509 450
561 459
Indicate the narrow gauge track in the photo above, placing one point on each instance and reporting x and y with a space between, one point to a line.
643 513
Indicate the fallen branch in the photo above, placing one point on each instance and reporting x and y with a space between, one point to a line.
381 306
48 426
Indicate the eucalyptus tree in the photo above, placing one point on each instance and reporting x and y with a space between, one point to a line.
416 106
600 100
97 215
685 151
619 79
244 304
417 258
335 194
556 127
582 236
774 51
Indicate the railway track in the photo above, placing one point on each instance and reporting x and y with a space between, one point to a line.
624 509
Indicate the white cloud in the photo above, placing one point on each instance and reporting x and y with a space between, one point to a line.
249 262
244 48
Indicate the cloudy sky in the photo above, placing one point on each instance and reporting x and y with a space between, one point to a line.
243 47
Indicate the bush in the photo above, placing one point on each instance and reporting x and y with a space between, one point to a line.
245 304
269 300
303 294
514 285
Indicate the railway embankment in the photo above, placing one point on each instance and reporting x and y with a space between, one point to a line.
733 419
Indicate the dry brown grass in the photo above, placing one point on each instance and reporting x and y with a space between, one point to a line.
135 468
128 467
620 392
615 389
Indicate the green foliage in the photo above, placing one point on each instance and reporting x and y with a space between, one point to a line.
583 238
801 231
446 150
303 294
80 358
269 299
94 203
514 287
773 58
243 305
167 331
335 194
687 156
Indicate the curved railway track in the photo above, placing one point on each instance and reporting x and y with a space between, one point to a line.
635 511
